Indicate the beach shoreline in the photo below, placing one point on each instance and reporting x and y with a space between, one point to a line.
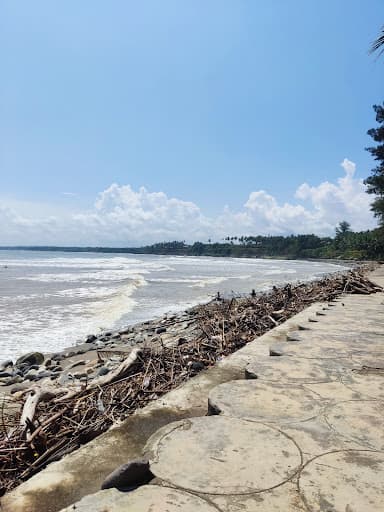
136 372
75 362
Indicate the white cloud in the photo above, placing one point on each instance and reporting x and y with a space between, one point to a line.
123 216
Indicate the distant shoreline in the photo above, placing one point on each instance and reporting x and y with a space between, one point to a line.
145 251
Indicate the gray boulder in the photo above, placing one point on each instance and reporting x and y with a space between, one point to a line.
5 374
6 364
103 371
30 359
57 357
128 476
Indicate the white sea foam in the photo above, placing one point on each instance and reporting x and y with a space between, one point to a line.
49 301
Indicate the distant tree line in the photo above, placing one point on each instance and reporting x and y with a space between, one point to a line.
366 245
346 244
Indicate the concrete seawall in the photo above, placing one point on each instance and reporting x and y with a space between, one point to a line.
300 430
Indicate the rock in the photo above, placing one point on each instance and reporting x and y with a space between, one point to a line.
48 363
128 330
116 336
128 476
19 387
139 338
103 371
43 374
181 341
80 375
31 358
91 338
23 369
125 338
196 366
85 347
160 330
6 364
31 374
5 374
14 380
57 357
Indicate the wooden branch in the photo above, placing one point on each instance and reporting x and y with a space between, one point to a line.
119 373
30 405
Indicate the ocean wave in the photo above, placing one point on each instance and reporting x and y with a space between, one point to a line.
54 326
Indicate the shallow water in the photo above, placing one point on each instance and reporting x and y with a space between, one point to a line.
51 300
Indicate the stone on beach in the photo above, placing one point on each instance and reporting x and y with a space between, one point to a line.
30 359
6 364
127 476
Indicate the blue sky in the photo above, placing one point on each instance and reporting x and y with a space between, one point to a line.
206 104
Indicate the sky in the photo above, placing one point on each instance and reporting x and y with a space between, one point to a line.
124 122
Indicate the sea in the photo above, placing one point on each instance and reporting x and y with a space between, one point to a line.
51 300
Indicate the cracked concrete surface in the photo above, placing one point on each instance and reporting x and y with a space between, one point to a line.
297 432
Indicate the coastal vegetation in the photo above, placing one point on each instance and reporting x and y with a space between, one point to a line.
375 182
346 244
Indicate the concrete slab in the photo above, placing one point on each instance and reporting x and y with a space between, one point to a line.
331 350
221 455
284 498
361 421
368 384
148 498
292 370
334 391
308 444
344 481
262 401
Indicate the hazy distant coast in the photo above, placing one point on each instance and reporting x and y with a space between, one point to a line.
346 245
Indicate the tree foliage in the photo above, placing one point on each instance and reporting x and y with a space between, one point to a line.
378 44
375 182
342 229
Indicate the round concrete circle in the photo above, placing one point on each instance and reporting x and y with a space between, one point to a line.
145 499
350 480
359 420
290 369
263 401
221 455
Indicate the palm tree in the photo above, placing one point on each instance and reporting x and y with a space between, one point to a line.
378 44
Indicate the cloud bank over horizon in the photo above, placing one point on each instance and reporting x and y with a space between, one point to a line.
122 216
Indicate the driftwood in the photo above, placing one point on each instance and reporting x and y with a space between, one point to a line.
29 409
119 373
60 425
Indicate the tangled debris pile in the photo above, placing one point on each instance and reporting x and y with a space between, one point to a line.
55 421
